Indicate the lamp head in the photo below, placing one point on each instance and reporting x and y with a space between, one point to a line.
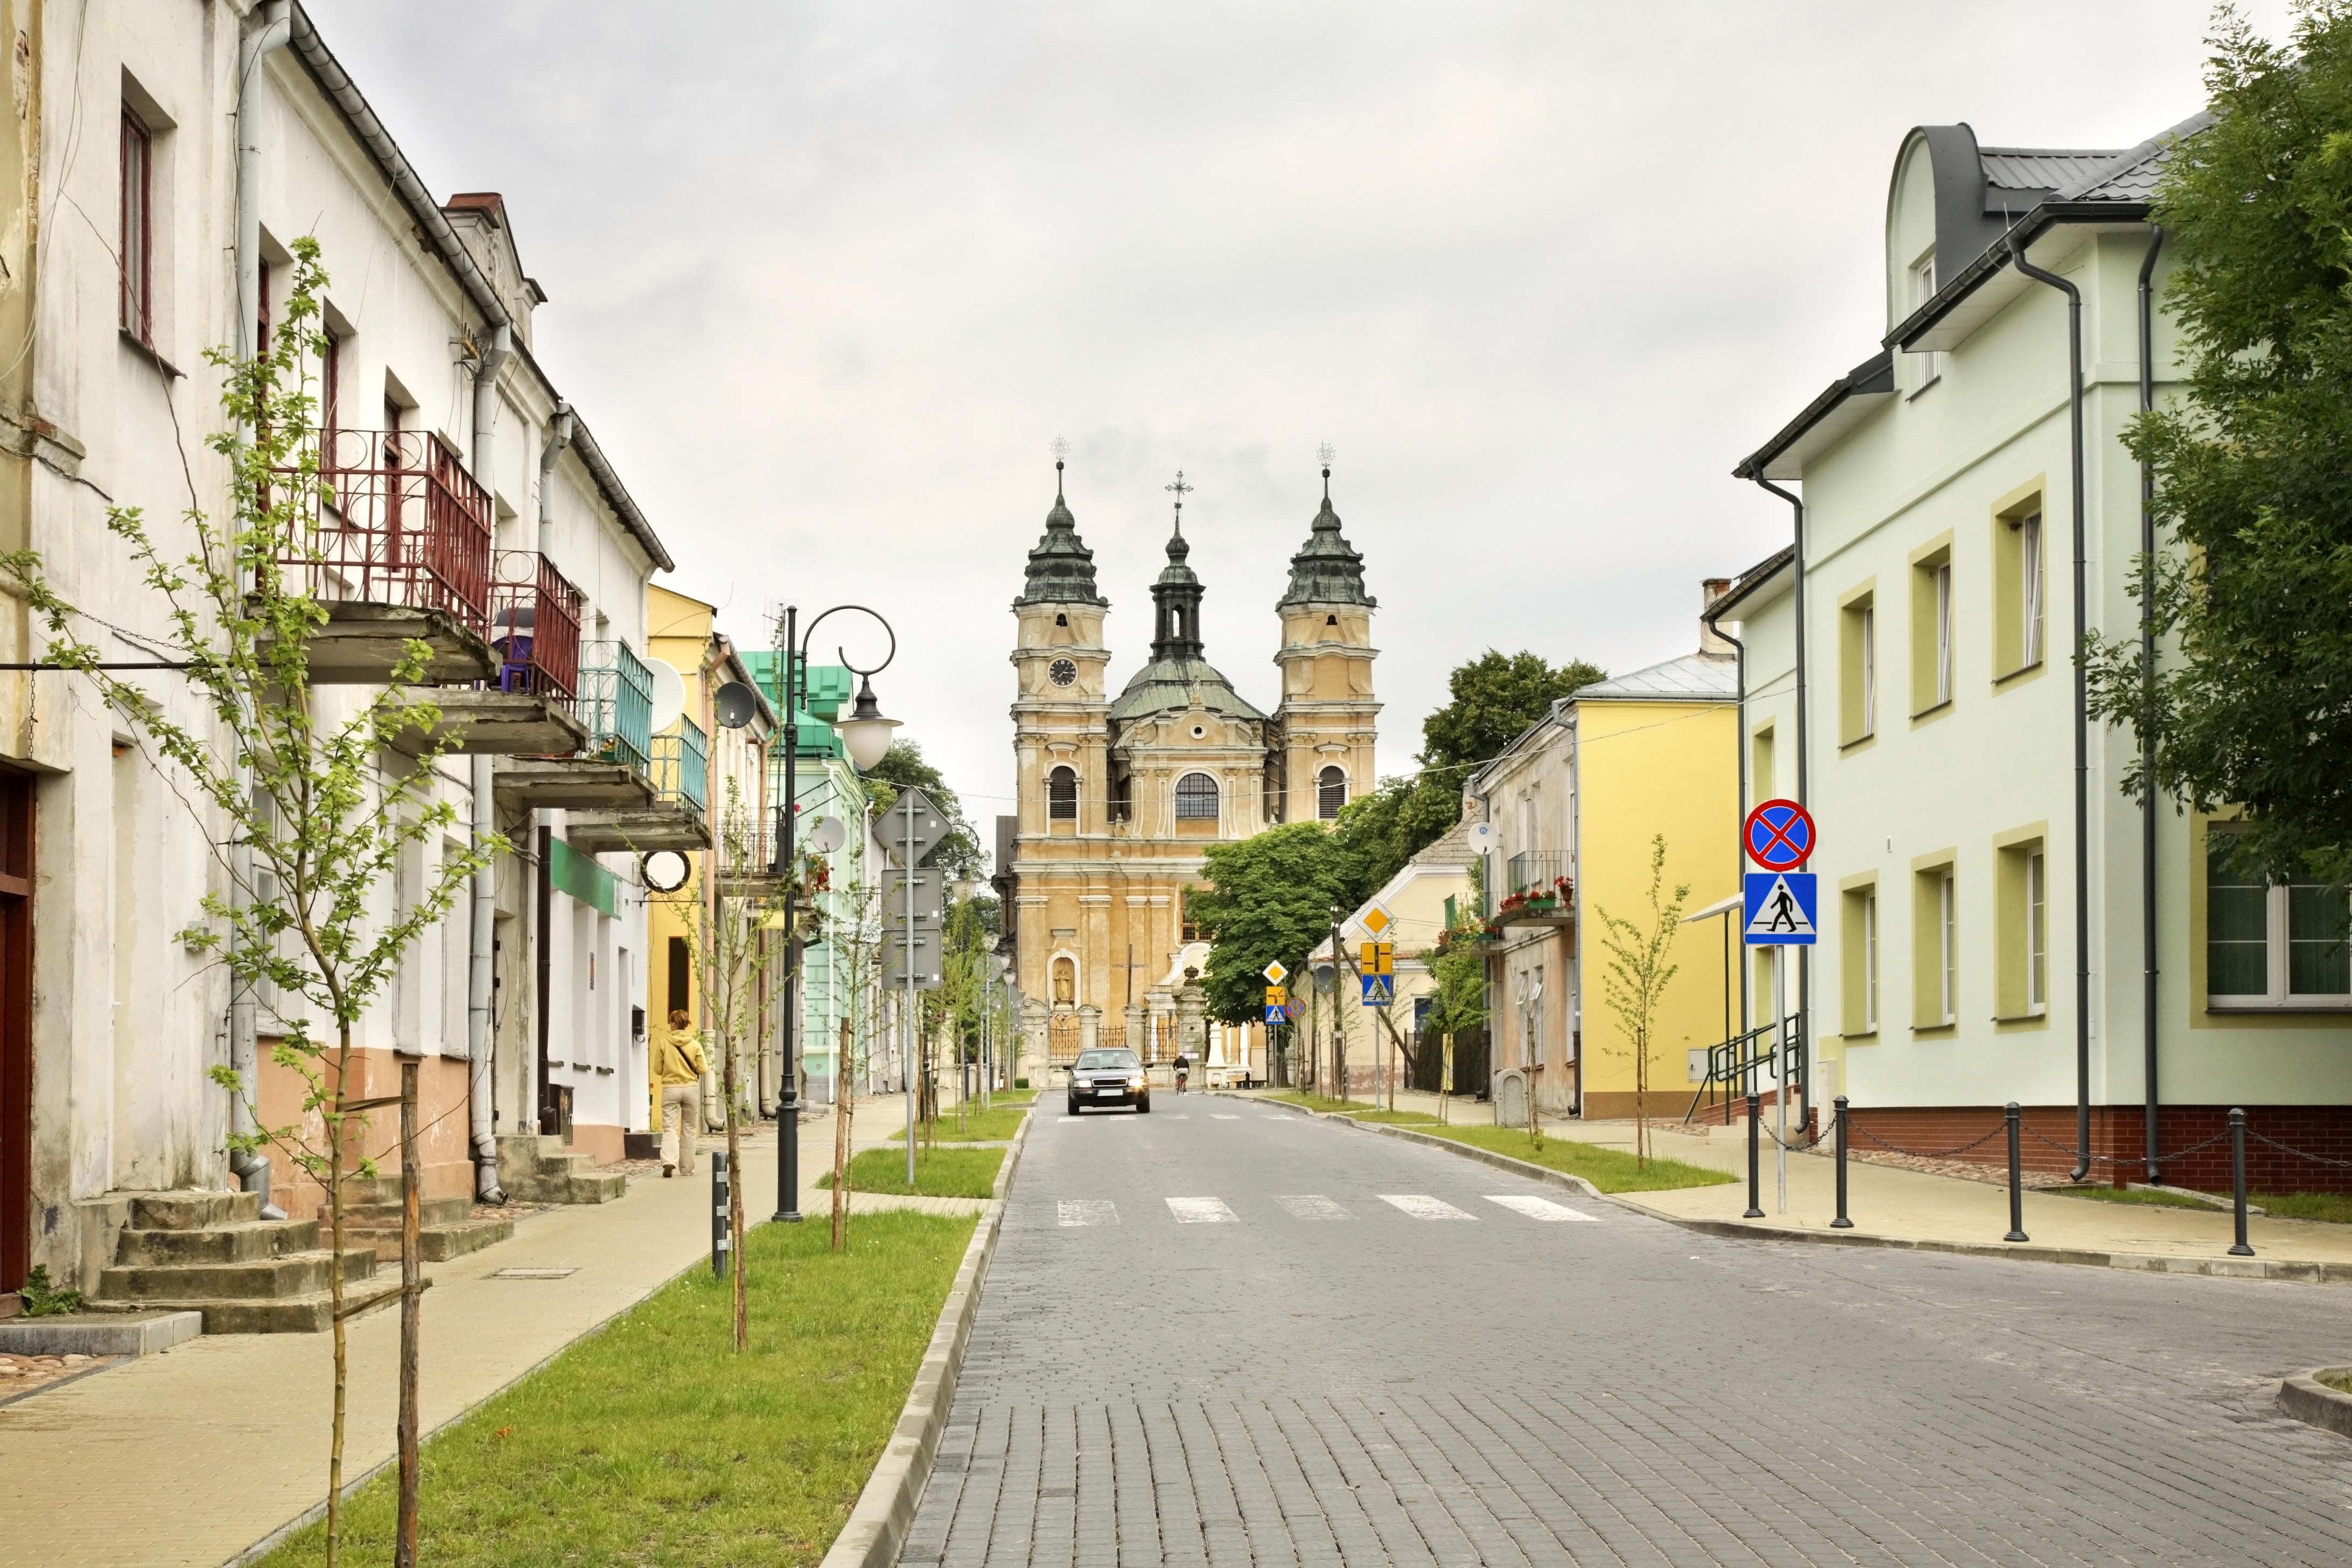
866 733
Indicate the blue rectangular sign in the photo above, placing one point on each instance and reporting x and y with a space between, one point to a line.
1782 909
1277 1014
1379 989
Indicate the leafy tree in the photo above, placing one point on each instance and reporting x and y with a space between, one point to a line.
1635 979
959 853
306 820
2251 486
1377 833
1269 898
1460 971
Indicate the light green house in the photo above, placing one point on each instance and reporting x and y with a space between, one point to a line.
1936 584
828 786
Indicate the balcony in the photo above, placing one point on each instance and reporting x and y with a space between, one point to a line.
681 770
1536 891
669 770
609 772
395 543
527 710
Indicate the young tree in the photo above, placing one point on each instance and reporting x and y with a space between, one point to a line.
1635 980
307 816
2254 708
856 934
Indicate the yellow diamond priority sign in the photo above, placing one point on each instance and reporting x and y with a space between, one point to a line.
1275 973
1376 920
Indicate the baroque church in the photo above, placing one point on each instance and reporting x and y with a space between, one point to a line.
1120 794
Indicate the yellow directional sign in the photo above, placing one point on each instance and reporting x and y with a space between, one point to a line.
1275 972
1276 995
1377 958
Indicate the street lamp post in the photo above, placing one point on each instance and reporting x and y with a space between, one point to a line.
865 736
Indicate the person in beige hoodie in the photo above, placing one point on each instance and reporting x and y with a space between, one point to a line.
678 1067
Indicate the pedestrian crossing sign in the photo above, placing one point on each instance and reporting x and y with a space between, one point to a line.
1380 990
1277 1012
1783 908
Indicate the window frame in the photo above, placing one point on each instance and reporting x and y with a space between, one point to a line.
1055 778
2279 994
1922 273
1215 795
1330 778
1934 943
135 229
1858 665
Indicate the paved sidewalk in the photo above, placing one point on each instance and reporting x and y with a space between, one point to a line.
191 1456
1886 1201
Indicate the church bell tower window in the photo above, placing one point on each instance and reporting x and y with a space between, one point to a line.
1062 795
1330 793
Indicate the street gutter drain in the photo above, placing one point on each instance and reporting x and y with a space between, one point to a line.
533 1273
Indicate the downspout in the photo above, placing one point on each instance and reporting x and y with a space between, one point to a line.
2148 746
483 935
1740 772
265 36
1804 781
2082 711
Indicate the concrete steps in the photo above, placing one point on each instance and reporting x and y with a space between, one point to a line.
213 1253
536 1169
446 1227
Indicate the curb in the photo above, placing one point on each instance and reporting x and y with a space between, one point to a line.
2224 1268
2310 1401
884 1509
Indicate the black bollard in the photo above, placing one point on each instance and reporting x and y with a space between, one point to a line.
2016 1183
1841 1222
1753 1211
2238 1180
721 1241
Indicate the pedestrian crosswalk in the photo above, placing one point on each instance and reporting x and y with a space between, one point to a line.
1072 1213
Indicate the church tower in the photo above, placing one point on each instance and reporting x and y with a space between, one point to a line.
1060 712
1326 719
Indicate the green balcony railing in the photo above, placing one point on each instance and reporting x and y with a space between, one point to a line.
616 704
681 770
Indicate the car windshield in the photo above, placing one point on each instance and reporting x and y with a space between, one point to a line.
1107 1061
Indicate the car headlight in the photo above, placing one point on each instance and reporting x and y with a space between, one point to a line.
1136 1082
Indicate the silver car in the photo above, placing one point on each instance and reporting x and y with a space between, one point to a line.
1108 1077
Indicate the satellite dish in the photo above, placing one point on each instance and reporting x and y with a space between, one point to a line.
823 835
669 695
735 705
1481 836
666 871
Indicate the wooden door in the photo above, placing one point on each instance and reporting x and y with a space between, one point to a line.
15 1029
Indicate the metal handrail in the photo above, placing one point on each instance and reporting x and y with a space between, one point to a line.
393 518
535 625
1535 870
1737 1060
616 704
681 765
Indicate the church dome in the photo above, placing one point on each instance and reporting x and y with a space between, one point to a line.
1061 569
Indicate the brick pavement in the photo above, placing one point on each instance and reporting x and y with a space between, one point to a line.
1372 1387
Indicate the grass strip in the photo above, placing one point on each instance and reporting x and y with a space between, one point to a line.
977 1126
2139 1197
655 1442
2335 1208
1611 1170
938 1173
1362 1110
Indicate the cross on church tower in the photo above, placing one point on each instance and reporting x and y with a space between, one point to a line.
1181 489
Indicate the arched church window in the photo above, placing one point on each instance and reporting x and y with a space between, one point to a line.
1330 793
1062 796
1196 798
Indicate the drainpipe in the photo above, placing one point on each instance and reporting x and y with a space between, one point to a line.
479 976
1804 770
2082 710
268 34
2147 745
1739 770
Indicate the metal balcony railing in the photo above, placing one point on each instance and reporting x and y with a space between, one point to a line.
616 705
1530 872
681 770
396 519
535 626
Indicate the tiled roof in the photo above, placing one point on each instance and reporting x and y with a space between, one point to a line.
2131 176
1695 675
2040 168
1452 849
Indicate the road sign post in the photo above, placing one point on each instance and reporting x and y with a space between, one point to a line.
1781 909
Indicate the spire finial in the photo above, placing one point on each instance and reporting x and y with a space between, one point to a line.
1324 453
1182 490
1061 451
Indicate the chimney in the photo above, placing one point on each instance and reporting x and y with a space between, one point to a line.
1713 644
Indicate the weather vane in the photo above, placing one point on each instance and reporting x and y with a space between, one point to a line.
1324 453
1181 489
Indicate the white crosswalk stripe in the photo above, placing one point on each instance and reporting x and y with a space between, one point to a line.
1281 1117
1538 1208
1220 1116
1311 1205
1420 1206
1202 1211
1088 1211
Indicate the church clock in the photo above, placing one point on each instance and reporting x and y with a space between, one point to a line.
1062 672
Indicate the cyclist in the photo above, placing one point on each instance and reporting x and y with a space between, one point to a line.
1183 1070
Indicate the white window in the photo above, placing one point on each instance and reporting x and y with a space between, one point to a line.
1944 633
2273 944
1868 629
2037 934
1923 289
1870 961
1948 950
2029 620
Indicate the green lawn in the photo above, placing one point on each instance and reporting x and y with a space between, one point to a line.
2334 1208
1611 1170
2137 1196
978 1127
1361 1110
938 1173
1012 1096
655 1442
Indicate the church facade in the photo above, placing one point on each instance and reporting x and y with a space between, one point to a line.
1121 795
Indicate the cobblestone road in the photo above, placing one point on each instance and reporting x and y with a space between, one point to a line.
1223 1334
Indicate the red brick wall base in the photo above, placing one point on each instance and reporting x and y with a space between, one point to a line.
2117 1145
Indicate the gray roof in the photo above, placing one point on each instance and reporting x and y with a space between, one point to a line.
2131 176
1452 849
1327 570
2037 170
1061 569
1695 677
1176 685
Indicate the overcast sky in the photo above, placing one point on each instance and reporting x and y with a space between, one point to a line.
827 280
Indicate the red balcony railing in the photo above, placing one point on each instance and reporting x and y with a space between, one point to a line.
535 625
400 522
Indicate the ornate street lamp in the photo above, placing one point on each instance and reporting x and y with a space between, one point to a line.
865 736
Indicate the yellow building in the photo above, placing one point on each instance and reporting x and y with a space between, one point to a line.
1121 795
1576 803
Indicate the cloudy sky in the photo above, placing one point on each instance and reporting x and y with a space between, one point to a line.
827 280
